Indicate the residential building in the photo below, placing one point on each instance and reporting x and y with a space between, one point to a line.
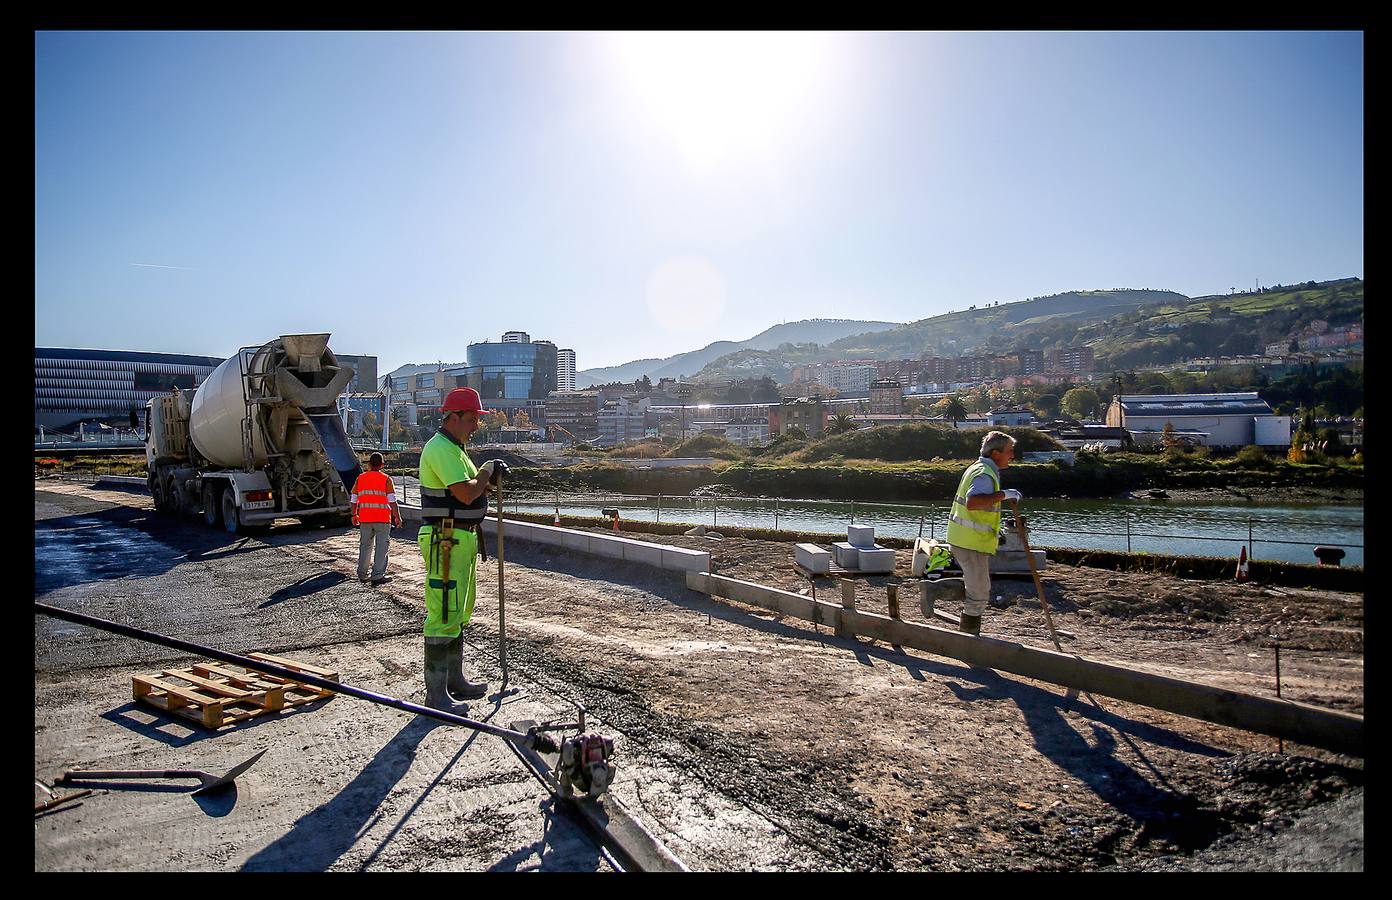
516 337
806 413
575 411
622 421
565 370
747 432
886 397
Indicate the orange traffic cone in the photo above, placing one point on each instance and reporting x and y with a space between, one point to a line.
557 521
1241 566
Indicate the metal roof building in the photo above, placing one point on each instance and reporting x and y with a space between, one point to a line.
1219 420
73 385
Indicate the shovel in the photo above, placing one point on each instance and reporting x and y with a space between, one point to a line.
208 782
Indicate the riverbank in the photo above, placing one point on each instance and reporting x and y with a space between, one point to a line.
1254 494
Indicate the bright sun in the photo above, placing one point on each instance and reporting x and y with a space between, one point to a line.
720 95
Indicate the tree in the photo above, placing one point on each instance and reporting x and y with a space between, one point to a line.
494 421
840 424
954 410
1081 402
521 421
1046 404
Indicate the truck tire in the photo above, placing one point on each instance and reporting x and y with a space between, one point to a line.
231 521
212 504
178 503
157 494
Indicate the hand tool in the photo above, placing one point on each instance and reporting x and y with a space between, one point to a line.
208 782
498 472
1038 586
534 739
56 801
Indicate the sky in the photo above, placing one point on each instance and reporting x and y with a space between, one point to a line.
633 195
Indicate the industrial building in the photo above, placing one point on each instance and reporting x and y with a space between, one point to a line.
73 386
1213 420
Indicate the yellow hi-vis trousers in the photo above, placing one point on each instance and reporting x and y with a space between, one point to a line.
448 606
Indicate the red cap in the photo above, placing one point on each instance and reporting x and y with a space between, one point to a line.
463 400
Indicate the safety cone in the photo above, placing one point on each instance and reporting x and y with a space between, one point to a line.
1241 566
557 521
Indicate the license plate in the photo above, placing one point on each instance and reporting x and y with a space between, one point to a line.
258 504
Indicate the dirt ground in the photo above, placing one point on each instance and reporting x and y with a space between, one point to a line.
854 756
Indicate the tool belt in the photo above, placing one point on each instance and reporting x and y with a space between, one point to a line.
438 529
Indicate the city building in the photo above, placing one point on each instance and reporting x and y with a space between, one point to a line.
622 421
747 432
1009 417
516 337
73 386
364 372
1214 420
806 413
565 370
886 397
575 411
512 376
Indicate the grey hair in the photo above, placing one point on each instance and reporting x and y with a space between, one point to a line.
996 440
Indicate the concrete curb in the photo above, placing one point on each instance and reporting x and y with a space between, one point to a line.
661 556
1305 724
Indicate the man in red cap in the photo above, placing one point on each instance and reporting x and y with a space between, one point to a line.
454 500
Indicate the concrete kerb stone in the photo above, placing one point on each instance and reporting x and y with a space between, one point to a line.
663 556
1333 730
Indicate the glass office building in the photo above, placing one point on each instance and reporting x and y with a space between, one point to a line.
513 375
72 385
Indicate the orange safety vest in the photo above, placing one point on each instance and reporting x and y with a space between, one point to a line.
372 489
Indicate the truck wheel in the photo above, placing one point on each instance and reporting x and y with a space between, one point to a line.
212 504
178 503
231 522
157 494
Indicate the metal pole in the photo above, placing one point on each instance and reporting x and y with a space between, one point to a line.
1249 541
852 512
502 617
659 507
537 741
1280 743
921 516
775 513
1128 531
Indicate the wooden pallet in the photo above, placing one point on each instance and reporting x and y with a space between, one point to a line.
215 694
836 572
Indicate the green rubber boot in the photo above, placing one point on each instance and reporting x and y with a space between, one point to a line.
437 695
459 686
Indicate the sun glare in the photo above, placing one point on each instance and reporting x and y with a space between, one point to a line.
720 95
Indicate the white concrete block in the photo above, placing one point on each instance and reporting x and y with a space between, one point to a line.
1013 562
861 536
876 559
642 552
813 558
680 559
847 556
606 546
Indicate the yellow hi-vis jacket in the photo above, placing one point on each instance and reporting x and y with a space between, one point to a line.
975 529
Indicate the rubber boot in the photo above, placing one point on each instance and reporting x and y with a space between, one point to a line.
437 695
969 624
459 686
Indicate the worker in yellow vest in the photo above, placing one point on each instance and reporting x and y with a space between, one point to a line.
973 527
454 500
376 513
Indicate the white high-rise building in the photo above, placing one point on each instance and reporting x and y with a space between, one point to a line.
516 337
565 370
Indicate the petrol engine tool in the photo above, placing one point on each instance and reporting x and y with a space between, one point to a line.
534 738
207 782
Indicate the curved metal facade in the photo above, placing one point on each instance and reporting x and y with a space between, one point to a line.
512 371
72 386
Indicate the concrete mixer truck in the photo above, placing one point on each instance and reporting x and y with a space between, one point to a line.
259 440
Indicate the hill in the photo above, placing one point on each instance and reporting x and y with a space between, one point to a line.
818 331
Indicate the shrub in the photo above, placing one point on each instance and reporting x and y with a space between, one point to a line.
1253 456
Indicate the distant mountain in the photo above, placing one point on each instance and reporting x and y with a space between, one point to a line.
818 331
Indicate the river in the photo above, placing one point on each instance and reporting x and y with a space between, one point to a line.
1287 532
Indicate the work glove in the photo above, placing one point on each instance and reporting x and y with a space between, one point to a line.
1013 495
494 471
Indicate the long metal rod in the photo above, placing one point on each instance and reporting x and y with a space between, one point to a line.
502 616
517 737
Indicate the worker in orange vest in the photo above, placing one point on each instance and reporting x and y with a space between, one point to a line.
375 513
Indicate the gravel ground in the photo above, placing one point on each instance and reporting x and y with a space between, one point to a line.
750 741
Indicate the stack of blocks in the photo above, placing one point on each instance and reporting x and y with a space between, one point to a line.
860 552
